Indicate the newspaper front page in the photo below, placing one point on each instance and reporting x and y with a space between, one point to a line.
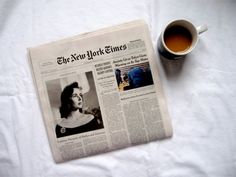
100 91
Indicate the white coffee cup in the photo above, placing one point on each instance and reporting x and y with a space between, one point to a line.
194 32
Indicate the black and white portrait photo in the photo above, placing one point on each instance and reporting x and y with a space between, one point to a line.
74 104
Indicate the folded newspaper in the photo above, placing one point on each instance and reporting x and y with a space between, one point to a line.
100 91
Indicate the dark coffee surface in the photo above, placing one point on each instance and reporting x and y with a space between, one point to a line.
177 39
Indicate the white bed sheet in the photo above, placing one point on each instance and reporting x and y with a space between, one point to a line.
200 91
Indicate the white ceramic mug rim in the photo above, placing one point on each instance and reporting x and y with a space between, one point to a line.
195 36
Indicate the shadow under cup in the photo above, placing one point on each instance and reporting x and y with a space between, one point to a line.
178 39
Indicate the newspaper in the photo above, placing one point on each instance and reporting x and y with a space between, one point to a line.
100 91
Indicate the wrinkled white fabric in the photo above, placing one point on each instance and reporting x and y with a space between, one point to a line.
200 90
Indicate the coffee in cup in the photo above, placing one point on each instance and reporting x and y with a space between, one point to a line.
178 39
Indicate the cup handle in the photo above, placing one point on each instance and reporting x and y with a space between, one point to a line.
201 29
